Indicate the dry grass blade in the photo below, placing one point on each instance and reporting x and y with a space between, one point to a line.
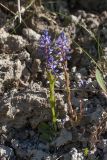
7 8
16 15
19 11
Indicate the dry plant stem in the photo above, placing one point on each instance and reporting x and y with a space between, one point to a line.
81 107
81 103
19 11
67 83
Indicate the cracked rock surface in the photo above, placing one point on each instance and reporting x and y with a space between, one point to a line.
26 131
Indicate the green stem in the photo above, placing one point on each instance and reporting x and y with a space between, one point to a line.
52 97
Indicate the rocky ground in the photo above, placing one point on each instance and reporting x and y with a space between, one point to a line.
25 115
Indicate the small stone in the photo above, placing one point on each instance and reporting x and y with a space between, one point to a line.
64 138
74 69
83 72
104 32
30 34
15 143
17 69
103 145
36 68
24 55
105 157
15 43
4 128
43 147
77 76
39 155
74 19
75 155
25 75
3 35
75 102
6 152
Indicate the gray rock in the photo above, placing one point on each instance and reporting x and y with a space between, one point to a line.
91 154
17 69
24 147
75 102
104 31
95 116
105 156
36 67
78 76
6 69
74 69
15 143
44 147
6 152
24 55
103 145
105 53
75 155
39 155
92 22
83 71
15 43
64 138
30 34
26 75
60 82
59 5
104 142
9 70
67 156
74 19
11 43
18 106
72 155
90 4
3 36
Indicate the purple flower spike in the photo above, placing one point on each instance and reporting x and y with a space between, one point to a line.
62 47
52 64
57 54
45 39
45 46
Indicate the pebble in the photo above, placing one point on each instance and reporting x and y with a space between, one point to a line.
64 138
30 34
83 72
6 152
75 155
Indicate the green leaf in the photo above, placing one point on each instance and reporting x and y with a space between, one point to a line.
100 80
86 152
43 127
46 132
45 137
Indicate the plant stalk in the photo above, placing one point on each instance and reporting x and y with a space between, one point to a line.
52 97
67 83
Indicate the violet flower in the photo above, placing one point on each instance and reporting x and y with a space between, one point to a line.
46 47
58 53
45 42
82 83
62 47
